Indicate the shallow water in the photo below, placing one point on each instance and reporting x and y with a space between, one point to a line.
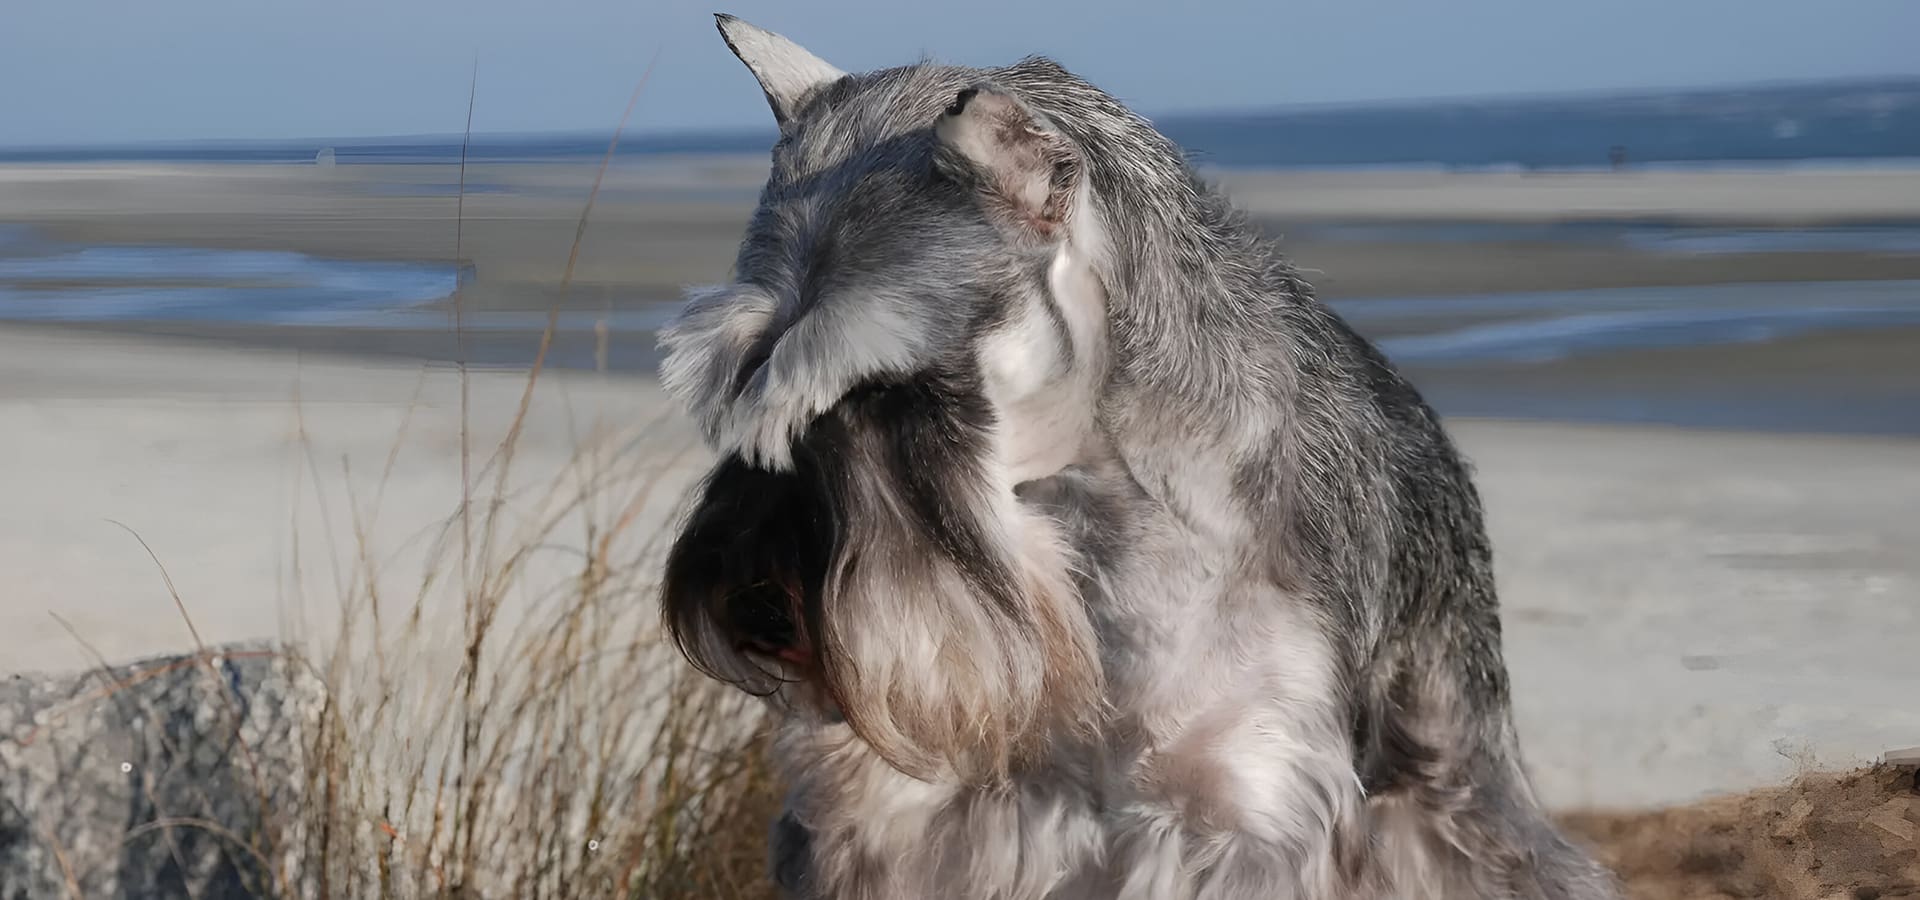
1889 239
1898 238
1547 325
42 280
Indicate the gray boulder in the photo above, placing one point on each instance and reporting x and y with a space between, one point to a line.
168 777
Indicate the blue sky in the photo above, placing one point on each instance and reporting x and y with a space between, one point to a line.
78 71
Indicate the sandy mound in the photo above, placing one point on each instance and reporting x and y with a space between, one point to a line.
1854 836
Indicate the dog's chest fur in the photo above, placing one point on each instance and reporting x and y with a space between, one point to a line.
1242 744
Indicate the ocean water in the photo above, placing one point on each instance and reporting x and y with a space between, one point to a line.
42 280
1779 124
1901 239
1548 325
1835 121
1653 237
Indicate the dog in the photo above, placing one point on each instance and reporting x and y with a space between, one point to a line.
1081 552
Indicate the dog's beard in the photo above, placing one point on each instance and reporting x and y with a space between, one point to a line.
890 578
741 574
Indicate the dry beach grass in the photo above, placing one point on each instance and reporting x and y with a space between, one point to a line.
1852 835
571 753
561 751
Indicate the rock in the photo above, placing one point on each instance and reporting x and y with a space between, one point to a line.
169 777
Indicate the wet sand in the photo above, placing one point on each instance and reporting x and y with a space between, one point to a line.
659 226
662 224
1864 382
1759 195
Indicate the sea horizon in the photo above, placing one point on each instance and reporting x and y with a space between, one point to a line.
1826 123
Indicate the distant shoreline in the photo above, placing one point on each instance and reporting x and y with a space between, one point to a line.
1819 123
755 153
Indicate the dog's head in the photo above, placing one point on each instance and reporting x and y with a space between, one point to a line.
915 328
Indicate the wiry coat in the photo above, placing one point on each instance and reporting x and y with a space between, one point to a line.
1084 552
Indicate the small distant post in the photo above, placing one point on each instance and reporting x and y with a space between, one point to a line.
1617 156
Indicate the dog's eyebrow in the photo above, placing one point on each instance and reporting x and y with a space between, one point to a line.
846 338
850 335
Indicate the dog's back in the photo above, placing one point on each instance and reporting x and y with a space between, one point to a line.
1363 503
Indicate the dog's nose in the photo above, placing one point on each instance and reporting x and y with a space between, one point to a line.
765 620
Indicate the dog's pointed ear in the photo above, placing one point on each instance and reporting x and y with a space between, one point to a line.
785 70
1026 169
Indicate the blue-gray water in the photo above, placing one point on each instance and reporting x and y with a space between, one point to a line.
46 281
1542 326
1644 236
1875 119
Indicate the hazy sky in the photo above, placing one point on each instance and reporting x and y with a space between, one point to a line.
135 70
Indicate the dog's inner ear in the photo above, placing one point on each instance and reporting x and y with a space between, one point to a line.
1026 170
787 73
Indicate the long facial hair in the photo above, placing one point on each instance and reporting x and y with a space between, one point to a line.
889 576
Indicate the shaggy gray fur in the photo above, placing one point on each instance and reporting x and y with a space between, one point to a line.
1084 551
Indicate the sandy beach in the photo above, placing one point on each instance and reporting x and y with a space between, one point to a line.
1688 610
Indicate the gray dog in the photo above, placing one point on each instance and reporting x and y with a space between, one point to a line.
1081 550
